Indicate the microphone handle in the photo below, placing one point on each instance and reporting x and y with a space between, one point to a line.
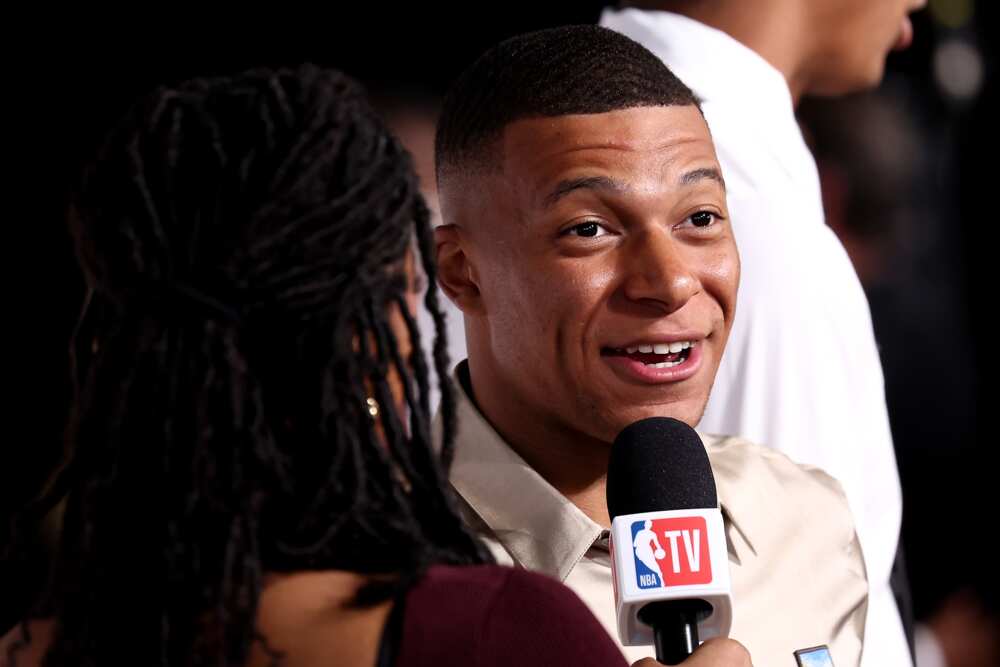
675 627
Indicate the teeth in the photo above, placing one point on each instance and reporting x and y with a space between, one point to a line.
665 364
660 348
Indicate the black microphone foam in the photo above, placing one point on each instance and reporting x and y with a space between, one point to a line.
659 464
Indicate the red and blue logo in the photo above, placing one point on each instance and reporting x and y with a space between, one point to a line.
671 552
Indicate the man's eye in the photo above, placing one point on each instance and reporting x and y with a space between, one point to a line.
703 218
587 230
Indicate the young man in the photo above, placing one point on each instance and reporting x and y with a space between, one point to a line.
587 243
803 373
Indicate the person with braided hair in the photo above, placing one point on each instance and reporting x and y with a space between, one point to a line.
251 476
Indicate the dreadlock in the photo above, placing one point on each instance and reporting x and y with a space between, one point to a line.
245 240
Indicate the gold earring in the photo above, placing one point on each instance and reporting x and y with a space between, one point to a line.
401 478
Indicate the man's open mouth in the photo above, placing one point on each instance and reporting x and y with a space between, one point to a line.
654 355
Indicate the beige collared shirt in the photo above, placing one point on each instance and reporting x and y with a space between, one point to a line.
797 572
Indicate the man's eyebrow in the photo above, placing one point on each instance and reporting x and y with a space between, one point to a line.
567 186
692 177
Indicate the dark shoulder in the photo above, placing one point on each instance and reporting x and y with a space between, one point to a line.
463 592
536 620
491 615
483 587
479 578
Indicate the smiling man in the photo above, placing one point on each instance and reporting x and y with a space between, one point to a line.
588 245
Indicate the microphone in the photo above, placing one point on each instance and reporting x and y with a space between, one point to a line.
669 559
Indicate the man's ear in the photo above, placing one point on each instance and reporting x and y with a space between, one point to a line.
456 273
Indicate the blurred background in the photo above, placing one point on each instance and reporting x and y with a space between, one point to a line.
907 175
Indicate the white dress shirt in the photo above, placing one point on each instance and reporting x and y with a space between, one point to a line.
801 372
797 572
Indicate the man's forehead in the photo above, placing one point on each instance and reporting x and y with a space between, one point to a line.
533 143
533 158
646 147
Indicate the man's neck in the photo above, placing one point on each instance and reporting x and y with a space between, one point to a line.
776 30
574 463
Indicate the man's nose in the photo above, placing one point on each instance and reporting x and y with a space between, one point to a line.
658 272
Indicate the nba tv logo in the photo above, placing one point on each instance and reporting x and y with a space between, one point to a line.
671 552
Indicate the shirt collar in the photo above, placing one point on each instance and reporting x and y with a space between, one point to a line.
537 525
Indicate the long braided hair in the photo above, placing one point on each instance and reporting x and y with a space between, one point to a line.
245 241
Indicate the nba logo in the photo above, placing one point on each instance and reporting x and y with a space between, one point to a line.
671 552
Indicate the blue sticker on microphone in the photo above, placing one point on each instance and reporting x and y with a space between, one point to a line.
817 656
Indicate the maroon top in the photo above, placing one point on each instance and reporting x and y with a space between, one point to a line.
489 616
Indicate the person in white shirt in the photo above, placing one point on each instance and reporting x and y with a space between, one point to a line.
587 242
802 371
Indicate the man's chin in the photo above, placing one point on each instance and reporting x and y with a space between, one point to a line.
689 412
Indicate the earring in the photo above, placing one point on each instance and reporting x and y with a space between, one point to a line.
401 479
397 473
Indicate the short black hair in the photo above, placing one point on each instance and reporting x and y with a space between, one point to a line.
577 69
